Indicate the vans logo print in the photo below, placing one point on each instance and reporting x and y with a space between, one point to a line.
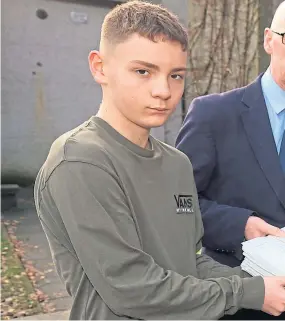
184 204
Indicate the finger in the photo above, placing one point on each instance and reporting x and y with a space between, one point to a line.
281 233
274 231
272 311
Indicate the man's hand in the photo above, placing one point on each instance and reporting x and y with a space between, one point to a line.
274 300
256 227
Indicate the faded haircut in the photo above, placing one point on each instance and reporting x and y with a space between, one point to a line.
145 19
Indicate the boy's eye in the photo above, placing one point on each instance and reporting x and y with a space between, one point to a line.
142 72
177 77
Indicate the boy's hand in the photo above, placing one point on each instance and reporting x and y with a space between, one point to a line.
274 300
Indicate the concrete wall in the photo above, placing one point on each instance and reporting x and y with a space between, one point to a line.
47 88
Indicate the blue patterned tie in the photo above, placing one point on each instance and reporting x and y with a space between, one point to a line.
282 153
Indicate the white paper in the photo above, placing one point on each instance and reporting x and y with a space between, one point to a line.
264 256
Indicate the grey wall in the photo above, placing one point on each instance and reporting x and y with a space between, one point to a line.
46 85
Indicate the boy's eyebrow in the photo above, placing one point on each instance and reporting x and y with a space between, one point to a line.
155 67
146 64
180 69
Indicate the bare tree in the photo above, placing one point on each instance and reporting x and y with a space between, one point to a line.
223 45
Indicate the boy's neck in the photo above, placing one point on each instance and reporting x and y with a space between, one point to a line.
125 127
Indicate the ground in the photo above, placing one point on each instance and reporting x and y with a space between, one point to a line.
18 295
23 235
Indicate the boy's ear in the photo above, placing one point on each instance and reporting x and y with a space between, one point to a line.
96 67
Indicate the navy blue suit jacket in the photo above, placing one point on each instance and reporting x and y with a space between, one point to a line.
237 170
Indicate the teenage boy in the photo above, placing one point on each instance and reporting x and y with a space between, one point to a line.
120 208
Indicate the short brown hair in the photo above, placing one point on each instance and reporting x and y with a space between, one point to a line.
148 20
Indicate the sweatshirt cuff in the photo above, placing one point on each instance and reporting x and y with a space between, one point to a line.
253 293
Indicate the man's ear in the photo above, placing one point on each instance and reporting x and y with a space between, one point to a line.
267 44
96 67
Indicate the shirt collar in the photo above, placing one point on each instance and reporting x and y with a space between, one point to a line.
274 94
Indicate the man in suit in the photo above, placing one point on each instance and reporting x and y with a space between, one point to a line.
235 141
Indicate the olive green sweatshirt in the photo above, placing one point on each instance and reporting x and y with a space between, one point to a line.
124 229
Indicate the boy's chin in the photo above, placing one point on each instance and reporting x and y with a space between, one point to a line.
157 122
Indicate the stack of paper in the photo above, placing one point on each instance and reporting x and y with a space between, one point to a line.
264 256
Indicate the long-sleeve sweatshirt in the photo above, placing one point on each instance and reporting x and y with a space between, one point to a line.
124 227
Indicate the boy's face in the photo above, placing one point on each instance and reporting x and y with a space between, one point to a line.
143 80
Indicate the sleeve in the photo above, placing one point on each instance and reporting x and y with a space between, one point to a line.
196 140
209 268
96 214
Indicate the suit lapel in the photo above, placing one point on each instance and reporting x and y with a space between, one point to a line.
258 130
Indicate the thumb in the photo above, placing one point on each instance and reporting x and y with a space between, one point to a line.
274 231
